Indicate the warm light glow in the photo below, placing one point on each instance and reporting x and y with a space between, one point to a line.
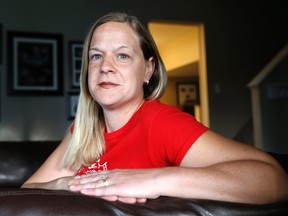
178 44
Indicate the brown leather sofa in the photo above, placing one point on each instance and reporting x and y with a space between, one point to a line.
18 160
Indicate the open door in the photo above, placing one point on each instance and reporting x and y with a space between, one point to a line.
182 47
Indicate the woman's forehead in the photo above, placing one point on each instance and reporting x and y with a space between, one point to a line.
115 32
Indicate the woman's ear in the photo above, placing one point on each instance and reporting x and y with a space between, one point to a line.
150 66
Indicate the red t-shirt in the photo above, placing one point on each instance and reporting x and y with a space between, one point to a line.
157 135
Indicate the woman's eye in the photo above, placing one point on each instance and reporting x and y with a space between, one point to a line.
95 57
123 56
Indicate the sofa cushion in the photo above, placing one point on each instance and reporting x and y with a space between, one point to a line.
22 202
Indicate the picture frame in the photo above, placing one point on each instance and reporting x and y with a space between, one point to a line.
187 93
72 103
1 44
1 50
34 64
0 94
75 56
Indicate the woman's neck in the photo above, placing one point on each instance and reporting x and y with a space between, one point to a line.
117 118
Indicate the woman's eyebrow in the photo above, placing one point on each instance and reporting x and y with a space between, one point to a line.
94 49
115 49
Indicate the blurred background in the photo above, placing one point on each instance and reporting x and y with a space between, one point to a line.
229 55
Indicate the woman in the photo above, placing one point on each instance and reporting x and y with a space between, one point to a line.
125 145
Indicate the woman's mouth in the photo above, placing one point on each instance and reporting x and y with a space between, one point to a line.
107 85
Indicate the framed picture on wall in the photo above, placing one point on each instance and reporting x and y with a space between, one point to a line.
75 55
72 102
187 93
1 48
1 44
0 95
34 63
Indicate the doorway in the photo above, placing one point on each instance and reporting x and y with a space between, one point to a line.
182 47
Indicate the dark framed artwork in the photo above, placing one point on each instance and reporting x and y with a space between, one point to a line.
34 63
75 54
0 94
1 44
187 96
72 103
1 48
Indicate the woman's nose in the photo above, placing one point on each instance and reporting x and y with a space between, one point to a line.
106 65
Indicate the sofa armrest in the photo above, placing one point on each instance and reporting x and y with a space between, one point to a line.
18 202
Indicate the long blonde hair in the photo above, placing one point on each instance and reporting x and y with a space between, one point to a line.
87 143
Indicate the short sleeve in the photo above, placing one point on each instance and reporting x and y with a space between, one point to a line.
173 133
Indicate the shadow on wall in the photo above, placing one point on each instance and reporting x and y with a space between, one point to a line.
245 134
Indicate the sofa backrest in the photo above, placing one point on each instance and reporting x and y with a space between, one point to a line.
19 160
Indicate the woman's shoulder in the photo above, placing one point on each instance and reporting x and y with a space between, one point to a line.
157 105
156 110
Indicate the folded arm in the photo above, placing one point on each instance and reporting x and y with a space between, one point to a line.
214 168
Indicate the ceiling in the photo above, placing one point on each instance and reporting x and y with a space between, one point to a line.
178 45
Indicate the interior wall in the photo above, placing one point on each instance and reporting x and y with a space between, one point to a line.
244 47
240 39
178 43
274 106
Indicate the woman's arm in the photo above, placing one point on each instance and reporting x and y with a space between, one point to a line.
214 168
51 175
227 170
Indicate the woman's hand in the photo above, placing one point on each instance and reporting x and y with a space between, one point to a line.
129 186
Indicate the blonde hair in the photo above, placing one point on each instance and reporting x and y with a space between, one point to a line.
87 143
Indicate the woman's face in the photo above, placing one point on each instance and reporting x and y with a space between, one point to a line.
117 68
